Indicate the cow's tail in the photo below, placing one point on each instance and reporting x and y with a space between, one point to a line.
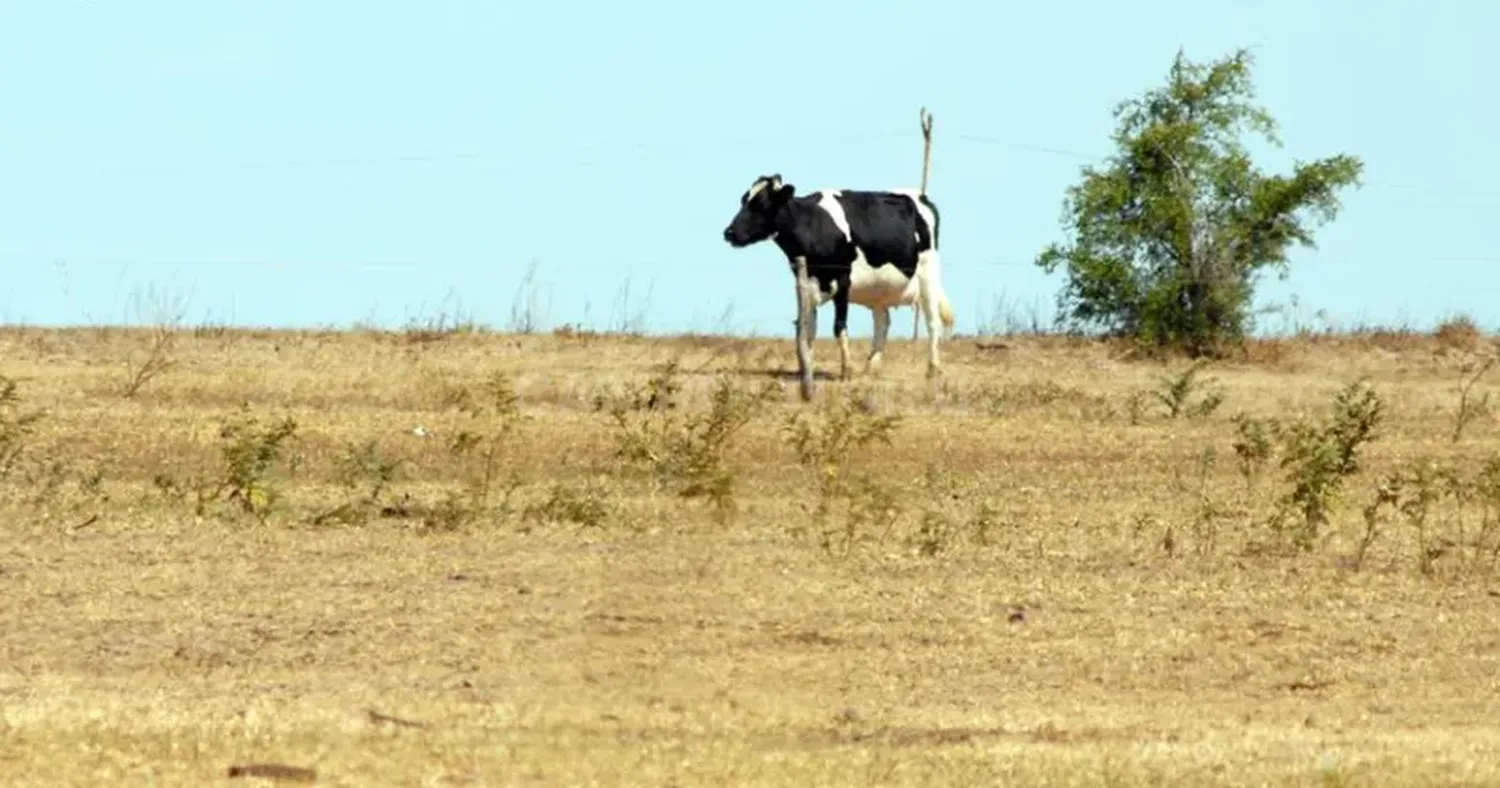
944 306
945 309
935 279
945 314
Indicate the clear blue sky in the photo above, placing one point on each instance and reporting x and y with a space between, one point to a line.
323 163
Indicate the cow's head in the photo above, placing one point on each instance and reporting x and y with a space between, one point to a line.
759 206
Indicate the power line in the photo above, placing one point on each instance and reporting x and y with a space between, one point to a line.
586 155
1029 147
511 157
319 263
1100 158
333 263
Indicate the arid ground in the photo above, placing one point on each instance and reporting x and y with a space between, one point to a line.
484 559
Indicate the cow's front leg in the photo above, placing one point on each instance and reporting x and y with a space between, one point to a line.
841 323
807 326
877 342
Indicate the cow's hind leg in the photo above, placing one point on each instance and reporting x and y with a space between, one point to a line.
930 294
841 323
877 343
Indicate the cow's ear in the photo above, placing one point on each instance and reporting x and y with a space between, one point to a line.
785 191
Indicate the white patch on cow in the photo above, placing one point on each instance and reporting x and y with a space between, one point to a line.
922 210
829 202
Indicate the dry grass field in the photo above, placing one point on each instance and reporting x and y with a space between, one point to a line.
482 559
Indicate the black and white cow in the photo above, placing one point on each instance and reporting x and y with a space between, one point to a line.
878 249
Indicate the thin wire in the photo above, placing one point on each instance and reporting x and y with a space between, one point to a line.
1029 147
1100 158
511 159
326 263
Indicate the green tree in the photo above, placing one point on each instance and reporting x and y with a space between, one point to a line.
1168 236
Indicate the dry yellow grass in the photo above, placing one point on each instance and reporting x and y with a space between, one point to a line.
1099 629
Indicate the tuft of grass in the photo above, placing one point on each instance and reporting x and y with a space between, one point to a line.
687 451
1318 457
936 528
157 360
1448 514
824 443
424 331
493 414
34 477
1207 514
17 427
1484 490
525 309
947 519
250 451
165 316
1387 497
365 474
1423 487
1469 408
1253 446
1176 393
590 504
1459 332
1013 399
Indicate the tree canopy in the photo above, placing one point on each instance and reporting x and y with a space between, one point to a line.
1167 237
